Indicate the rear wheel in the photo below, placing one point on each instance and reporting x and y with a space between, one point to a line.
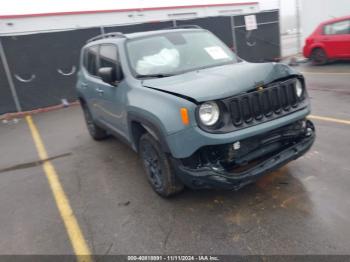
160 173
96 132
319 57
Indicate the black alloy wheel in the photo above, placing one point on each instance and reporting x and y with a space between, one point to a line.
158 167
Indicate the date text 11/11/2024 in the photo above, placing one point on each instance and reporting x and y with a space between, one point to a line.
173 258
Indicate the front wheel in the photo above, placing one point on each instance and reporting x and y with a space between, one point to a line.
319 57
160 173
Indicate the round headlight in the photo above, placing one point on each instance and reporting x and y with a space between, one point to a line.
209 113
299 88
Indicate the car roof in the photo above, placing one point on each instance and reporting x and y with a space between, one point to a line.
140 35
333 20
157 32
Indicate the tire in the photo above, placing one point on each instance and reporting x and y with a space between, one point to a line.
158 167
319 57
96 132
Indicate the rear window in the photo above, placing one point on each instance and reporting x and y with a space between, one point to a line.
338 28
90 60
108 55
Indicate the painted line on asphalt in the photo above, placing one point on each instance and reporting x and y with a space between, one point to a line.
75 234
330 119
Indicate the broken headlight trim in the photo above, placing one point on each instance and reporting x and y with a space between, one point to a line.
299 89
209 113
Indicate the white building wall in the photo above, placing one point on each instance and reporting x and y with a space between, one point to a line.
34 24
313 12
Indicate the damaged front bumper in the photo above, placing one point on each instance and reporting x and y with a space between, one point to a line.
215 175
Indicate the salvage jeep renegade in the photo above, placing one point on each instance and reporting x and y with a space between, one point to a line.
197 114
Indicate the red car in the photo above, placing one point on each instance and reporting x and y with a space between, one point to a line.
330 41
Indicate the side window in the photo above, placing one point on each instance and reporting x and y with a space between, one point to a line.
108 56
90 60
338 28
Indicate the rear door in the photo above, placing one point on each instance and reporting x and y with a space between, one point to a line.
91 81
336 37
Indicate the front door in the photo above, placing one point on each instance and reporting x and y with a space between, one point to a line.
114 96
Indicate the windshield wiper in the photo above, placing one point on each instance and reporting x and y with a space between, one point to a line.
154 75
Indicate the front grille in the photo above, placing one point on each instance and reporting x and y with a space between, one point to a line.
275 100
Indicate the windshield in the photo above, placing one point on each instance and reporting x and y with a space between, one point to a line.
177 52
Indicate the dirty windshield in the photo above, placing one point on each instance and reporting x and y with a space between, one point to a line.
177 52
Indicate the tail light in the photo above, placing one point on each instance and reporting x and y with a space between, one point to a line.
309 40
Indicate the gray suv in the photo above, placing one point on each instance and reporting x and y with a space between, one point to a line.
196 113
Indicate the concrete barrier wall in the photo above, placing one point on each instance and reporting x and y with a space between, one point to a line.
7 103
44 65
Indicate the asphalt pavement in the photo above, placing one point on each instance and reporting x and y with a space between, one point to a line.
303 208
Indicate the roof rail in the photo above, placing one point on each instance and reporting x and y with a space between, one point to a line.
102 36
184 27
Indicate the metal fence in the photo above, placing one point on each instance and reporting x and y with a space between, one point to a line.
39 70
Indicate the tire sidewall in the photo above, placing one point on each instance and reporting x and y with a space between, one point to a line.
314 55
96 132
88 117
169 185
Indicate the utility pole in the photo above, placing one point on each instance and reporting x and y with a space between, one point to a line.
9 78
280 26
297 9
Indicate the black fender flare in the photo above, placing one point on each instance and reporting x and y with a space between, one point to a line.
151 127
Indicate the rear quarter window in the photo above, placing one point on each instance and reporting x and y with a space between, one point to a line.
108 55
90 60
338 28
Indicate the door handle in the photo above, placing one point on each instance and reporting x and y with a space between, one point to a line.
99 90
84 85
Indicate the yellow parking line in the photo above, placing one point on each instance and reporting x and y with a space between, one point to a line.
76 237
330 119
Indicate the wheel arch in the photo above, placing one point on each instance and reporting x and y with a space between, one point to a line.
318 46
139 124
82 100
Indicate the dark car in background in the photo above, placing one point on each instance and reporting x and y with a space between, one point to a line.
330 41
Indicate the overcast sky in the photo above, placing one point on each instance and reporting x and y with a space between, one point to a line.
48 6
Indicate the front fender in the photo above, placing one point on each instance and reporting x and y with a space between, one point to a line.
151 124
158 113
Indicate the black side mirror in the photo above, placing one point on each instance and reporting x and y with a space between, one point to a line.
107 75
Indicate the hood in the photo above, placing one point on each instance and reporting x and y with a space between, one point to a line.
220 82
